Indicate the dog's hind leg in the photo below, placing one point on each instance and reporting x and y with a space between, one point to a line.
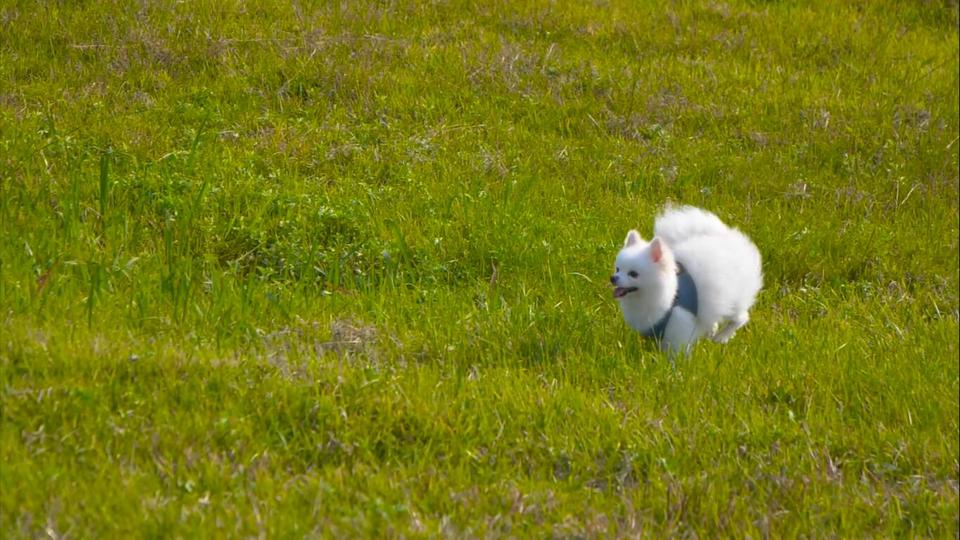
731 327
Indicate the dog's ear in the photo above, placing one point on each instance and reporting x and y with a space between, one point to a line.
633 237
656 250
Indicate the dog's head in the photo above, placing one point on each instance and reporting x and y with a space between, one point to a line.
640 264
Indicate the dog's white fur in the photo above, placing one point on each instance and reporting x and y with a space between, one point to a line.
724 264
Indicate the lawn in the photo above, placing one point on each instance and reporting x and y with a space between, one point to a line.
331 269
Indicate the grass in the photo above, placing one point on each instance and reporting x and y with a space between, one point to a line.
279 269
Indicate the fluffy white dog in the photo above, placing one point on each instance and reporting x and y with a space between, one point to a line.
696 277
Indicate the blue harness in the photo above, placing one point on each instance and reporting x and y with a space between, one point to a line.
686 298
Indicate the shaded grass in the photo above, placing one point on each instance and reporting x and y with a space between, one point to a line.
339 270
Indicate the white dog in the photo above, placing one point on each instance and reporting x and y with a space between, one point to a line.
694 276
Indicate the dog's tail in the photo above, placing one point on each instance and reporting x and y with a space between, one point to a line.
676 224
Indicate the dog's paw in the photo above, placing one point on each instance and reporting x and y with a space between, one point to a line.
722 337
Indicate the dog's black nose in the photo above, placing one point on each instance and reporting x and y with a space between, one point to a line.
613 279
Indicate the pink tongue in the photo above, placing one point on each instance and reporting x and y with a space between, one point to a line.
619 292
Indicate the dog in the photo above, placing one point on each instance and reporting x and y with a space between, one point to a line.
697 277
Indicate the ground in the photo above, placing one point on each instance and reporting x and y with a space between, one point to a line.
340 269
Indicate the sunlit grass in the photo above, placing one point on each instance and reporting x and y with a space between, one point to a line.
283 269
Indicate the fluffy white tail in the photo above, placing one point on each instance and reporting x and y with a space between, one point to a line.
676 224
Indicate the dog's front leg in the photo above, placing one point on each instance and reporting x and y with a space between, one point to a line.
680 333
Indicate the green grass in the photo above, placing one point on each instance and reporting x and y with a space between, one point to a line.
340 270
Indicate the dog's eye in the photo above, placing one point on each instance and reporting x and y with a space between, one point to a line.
632 274
618 269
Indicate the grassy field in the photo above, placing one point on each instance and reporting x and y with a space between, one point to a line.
340 269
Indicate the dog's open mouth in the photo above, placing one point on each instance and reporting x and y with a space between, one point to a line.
620 292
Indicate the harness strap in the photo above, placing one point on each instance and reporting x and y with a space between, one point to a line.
686 298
